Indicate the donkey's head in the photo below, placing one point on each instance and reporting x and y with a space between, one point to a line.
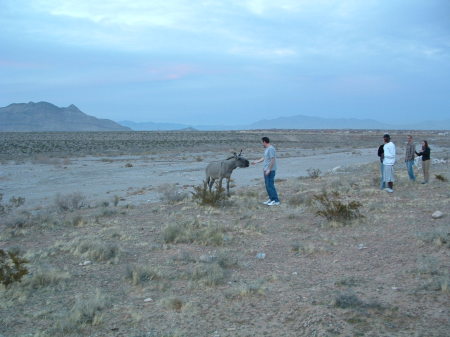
240 160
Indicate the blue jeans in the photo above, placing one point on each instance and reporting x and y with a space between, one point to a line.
409 167
382 183
269 180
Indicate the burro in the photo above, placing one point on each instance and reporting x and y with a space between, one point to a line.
223 169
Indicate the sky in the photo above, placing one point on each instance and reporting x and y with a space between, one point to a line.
229 62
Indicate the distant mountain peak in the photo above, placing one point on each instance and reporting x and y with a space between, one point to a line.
45 116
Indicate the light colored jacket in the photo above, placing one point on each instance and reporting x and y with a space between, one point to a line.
389 154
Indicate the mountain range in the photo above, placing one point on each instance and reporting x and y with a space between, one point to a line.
43 116
296 122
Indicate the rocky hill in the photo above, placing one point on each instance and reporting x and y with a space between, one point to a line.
43 116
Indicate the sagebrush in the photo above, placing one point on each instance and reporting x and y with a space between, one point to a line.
332 208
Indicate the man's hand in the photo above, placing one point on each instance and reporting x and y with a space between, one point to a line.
266 172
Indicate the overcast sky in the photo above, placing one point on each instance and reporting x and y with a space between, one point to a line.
229 62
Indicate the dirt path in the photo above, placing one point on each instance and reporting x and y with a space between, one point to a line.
100 179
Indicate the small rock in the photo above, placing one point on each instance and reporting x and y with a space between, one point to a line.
261 256
294 273
361 246
85 263
148 299
437 215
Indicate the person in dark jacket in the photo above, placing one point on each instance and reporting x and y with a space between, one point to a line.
425 154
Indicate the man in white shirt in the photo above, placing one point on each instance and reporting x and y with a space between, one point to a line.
388 163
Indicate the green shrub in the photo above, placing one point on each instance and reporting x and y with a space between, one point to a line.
12 268
331 207
203 196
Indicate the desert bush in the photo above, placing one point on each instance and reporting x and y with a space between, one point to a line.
313 173
139 275
209 274
348 300
332 208
14 202
12 267
440 177
170 193
203 196
69 202
85 311
189 232
95 250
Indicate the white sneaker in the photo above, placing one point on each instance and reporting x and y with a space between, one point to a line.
273 203
267 202
390 190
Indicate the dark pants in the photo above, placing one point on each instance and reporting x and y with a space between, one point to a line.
269 180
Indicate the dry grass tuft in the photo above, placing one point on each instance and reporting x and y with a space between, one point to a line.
171 193
439 236
139 275
209 274
173 303
85 312
194 232
45 277
95 250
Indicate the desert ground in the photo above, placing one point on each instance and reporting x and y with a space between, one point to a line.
117 240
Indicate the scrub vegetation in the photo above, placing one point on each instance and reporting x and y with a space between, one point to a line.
180 267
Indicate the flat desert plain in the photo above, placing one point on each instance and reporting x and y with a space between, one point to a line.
118 240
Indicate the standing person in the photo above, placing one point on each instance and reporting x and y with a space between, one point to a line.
409 157
425 153
269 167
381 155
388 163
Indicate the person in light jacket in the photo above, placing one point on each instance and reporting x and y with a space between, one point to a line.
388 163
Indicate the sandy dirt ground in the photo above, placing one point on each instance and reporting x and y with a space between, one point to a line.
338 257
100 178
